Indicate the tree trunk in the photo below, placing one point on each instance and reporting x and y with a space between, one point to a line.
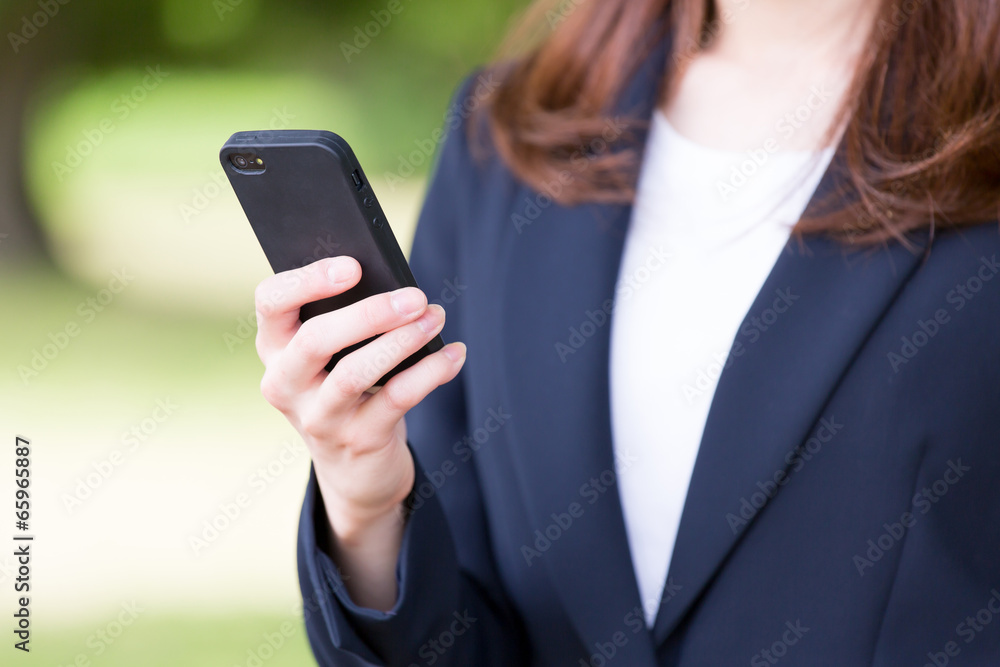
22 240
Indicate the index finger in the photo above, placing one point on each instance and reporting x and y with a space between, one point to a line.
278 298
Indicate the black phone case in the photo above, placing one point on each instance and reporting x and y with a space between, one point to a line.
309 200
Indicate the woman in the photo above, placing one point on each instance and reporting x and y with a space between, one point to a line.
685 433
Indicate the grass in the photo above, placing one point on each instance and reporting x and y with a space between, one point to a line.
172 641
102 382
131 344
162 336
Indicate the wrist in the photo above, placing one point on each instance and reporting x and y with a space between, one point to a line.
352 524
352 529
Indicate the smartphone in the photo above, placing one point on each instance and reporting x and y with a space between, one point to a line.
307 198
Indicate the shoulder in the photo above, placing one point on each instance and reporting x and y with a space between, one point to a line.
972 249
469 182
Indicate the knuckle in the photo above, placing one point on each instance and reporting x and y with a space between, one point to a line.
272 391
345 381
266 296
309 339
290 280
350 435
386 353
316 267
311 430
311 276
315 426
395 396
408 338
373 311
261 346
260 292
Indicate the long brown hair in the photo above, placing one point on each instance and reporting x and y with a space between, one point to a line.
921 137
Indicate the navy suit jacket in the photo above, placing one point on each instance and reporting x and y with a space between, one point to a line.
844 508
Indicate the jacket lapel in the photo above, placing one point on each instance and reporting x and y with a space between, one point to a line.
770 399
767 402
561 426
561 271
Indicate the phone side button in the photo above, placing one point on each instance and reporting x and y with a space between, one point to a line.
377 222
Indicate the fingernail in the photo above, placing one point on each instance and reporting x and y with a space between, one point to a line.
455 351
339 271
432 319
407 301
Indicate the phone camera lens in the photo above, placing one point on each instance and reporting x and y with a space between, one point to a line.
240 162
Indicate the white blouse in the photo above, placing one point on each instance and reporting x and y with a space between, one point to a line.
706 228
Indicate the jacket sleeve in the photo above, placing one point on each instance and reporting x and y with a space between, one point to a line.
451 610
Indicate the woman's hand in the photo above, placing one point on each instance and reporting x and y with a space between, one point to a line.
357 438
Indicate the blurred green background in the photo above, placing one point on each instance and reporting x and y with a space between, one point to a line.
127 272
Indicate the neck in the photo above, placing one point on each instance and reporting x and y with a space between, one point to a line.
770 30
